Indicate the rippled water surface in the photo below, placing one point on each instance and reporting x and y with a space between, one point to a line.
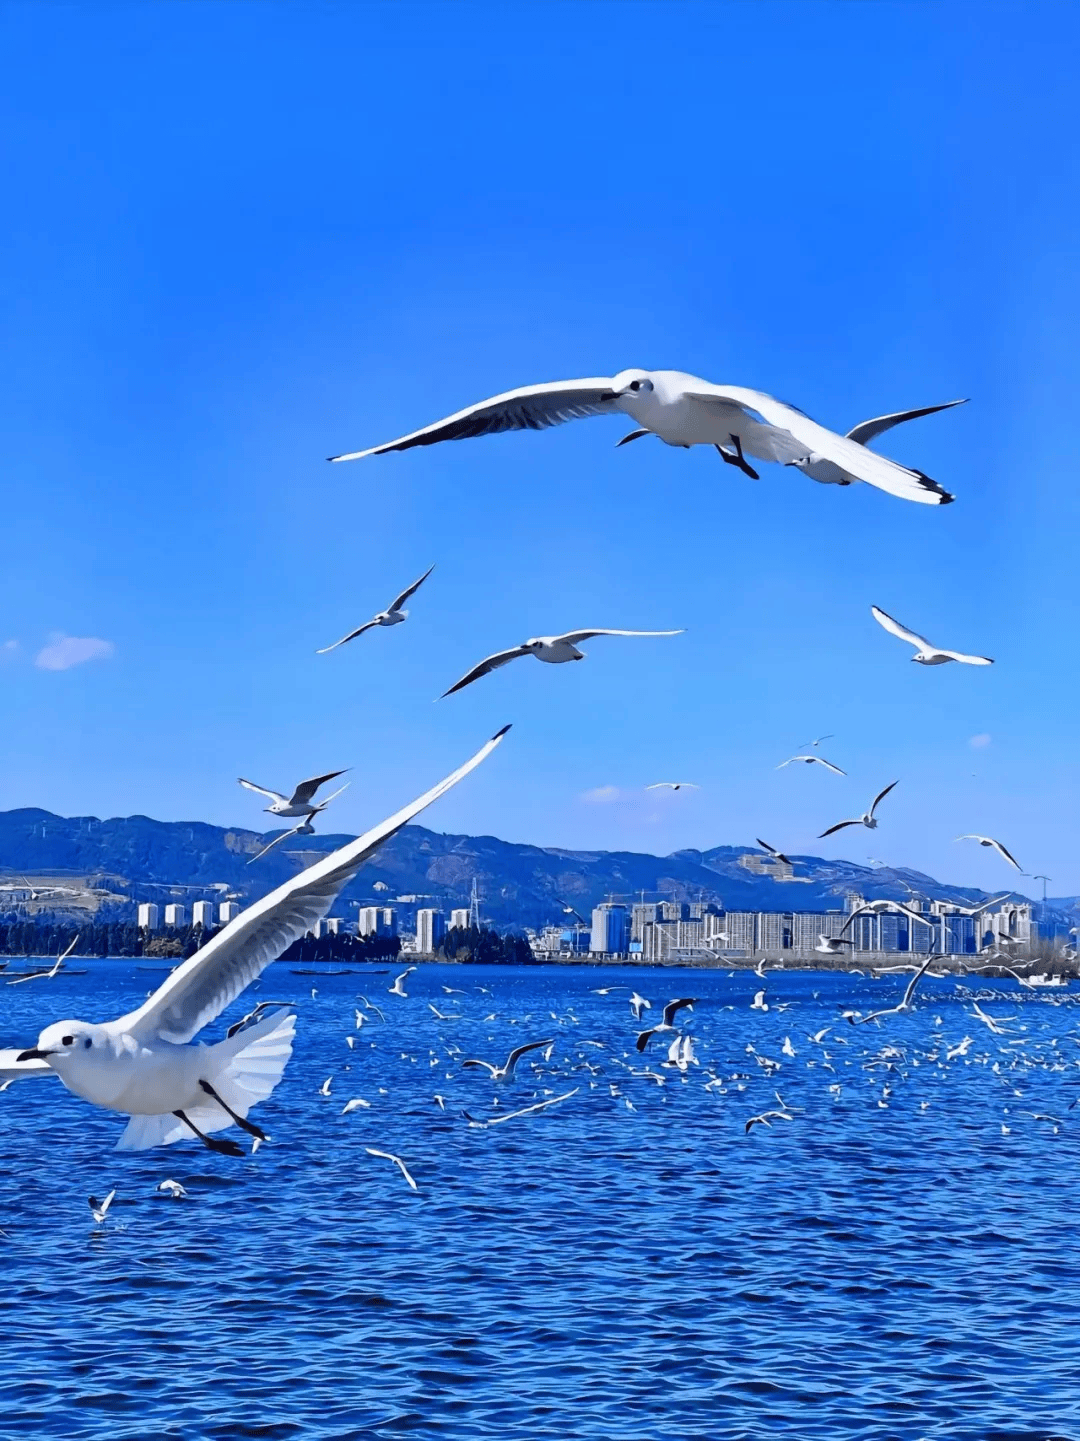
899 1259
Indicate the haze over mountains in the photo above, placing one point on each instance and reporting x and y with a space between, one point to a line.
519 885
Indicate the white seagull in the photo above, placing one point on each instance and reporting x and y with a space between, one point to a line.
398 1162
673 786
868 819
554 649
506 1072
905 1004
667 1024
173 1189
100 1209
46 975
392 615
299 803
684 410
995 845
810 761
925 652
398 988
143 1065
305 828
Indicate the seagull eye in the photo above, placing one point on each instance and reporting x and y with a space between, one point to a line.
67 1041
87 1044
635 385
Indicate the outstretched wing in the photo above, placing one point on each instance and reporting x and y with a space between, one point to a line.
404 596
306 789
493 662
284 836
518 1052
203 986
881 796
1003 852
487 1066
530 407
838 827
895 628
360 629
672 1009
251 786
575 636
967 659
821 761
867 430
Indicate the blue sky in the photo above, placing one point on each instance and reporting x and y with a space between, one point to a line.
240 238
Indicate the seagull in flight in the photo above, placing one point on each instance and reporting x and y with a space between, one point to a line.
299 803
812 760
832 945
671 1010
398 988
143 1064
776 855
392 615
683 410
305 828
46 975
869 819
100 1209
673 786
994 845
554 649
173 1189
398 1162
905 1004
815 743
505 1072
925 652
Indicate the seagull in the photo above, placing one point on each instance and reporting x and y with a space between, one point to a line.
995 1027
995 845
639 1004
440 1016
46 975
869 820
324 1089
357 1103
766 1119
925 652
759 1003
681 1053
142 1064
305 828
100 1209
506 1071
832 945
776 855
812 760
525 1111
173 1189
398 1162
392 615
819 739
553 649
673 786
905 1004
398 988
299 803
684 410
667 1024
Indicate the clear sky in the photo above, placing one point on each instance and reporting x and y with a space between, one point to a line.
240 238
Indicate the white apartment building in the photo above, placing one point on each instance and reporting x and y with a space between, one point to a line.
202 914
148 916
227 911
176 915
459 917
430 930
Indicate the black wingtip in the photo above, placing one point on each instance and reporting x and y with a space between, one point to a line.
500 733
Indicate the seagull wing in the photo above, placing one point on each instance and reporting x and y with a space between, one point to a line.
881 796
398 1162
575 636
493 662
251 786
1003 852
782 433
360 629
916 978
530 407
486 1065
867 430
284 836
201 988
821 761
404 596
11 1068
895 628
516 1055
967 659
674 1007
306 789
839 827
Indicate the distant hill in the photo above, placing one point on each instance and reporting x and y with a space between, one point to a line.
520 885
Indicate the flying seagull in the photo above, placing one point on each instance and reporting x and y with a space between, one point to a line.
100 1209
869 820
673 786
142 1064
506 1072
392 615
398 988
554 649
305 828
832 945
398 1162
684 410
925 652
812 760
667 1024
995 845
299 803
46 975
905 1004
173 1189
819 739
776 855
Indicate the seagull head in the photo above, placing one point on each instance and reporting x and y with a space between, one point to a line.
631 382
63 1041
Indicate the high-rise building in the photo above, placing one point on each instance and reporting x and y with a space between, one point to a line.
675 911
176 915
376 921
202 914
430 930
329 926
148 916
459 917
610 930
644 913
227 911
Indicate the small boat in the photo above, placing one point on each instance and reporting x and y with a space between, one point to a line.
321 971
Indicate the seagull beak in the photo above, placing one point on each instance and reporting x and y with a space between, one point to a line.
33 1054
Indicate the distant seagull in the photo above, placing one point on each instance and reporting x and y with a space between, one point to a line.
398 988
305 828
673 786
819 739
683 410
639 1004
505 1072
100 1209
995 845
869 820
905 1004
759 1003
525 1110
439 1015
398 1162
995 1027
46 975
776 855
925 652
173 1189
356 1104
671 1010
324 1089
832 945
553 649
299 803
766 1119
392 615
812 760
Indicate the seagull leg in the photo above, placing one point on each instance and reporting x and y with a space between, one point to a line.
226 1148
738 459
245 1125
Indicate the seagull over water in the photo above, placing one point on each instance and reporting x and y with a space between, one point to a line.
994 845
684 410
505 1072
925 652
392 615
144 1065
554 649
46 975
868 819
667 1023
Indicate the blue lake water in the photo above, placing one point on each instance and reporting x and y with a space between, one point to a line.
888 1263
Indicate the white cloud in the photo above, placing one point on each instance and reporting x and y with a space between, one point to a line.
9 650
979 742
601 795
64 651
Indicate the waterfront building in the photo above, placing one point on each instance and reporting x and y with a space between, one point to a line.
175 915
329 926
610 930
430 930
202 914
376 921
645 913
675 911
227 911
460 917
148 916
